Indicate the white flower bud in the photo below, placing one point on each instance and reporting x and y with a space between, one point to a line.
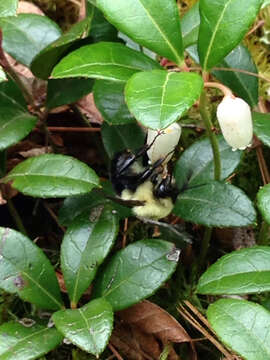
164 143
234 117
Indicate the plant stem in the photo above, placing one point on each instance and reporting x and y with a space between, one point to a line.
16 217
204 247
264 234
217 170
213 140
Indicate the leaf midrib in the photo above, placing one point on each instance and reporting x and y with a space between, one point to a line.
131 275
234 275
252 334
162 34
23 340
211 202
214 35
79 67
44 176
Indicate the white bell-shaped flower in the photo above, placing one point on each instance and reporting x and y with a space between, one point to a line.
234 117
164 143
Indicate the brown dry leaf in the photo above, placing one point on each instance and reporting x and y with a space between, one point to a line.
61 281
133 344
236 238
87 106
152 319
36 151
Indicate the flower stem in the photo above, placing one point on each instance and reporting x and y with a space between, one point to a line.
217 171
213 140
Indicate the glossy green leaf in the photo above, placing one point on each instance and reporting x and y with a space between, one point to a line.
25 270
136 272
263 202
52 176
25 35
196 164
245 86
150 23
45 60
67 91
118 138
242 326
261 127
158 98
89 327
215 204
110 101
27 343
15 120
223 25
190 26
86 244
8 7
101 29
74 206
241 272
105 60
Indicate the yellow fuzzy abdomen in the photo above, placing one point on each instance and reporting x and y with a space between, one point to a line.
153 208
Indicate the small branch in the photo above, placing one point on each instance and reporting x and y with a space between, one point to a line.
115 352
204 246
186 315
16 217
198 68
124 239
72 129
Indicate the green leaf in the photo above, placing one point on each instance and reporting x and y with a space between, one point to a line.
150 23
122 137
245 86
25 35
26 343
101 29
263 199
45 60
89 327
196 164
8 7
244 271
261 127
158 98
190 26
110 101
223 25
74 206
111 61
215 204
52 176
242 326
86 244
67 91
136 272
25 270
15 120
